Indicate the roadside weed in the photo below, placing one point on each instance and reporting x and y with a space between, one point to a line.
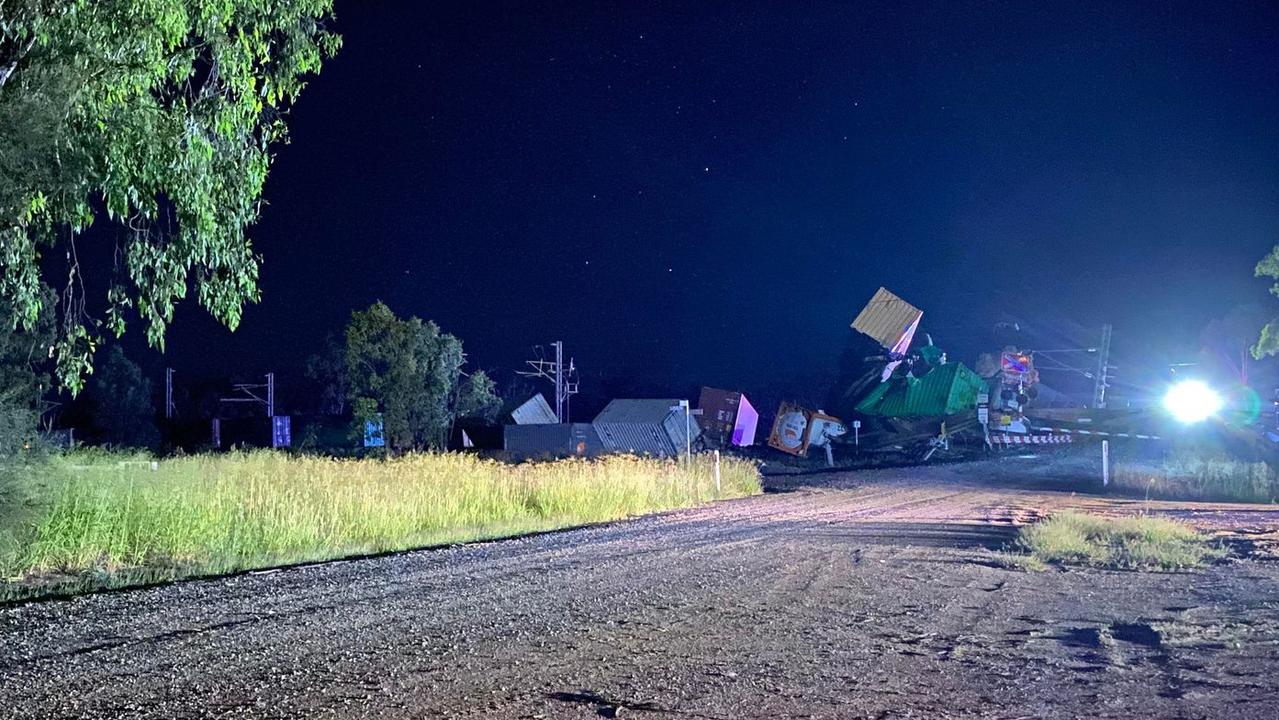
1130 543
115 518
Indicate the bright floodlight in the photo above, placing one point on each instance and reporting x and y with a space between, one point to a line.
1191 401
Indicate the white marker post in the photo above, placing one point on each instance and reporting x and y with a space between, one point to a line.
717 490
1105 463
688 447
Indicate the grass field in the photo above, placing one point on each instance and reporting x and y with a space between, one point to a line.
1135 543
99 520
1191 476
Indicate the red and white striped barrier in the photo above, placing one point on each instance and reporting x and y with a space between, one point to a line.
1029 439
1099 433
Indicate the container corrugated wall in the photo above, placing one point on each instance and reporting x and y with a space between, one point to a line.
556 440
535 411
639 438
886 318
647 426
945 390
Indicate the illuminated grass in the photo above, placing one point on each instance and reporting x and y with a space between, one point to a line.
105 523
1137 543
1196 477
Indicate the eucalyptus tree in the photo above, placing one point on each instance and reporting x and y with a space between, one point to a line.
157 117
406 375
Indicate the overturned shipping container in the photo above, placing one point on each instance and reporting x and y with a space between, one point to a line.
949 389
727 418
535 411
552 440
659 427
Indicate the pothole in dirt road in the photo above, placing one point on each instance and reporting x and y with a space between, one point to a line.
1137 633
1085 637
1093 638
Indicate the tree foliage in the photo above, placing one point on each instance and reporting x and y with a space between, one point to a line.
477 397
409 373
159 116
24 355
327 370
120 403
1268 342
24 379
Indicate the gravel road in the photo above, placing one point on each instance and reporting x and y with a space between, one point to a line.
845 596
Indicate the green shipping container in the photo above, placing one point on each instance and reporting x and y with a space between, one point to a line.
948 389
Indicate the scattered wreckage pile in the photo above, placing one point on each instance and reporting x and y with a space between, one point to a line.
910 400
899 398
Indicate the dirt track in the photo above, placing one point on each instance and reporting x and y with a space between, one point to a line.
869 595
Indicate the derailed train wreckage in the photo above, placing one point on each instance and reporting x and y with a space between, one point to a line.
896 398
909 399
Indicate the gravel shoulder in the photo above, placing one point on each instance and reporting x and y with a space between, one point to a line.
841 596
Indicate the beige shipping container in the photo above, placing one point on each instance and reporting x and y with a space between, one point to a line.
889 320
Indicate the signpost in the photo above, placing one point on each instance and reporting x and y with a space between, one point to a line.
689 412
281 431
373 433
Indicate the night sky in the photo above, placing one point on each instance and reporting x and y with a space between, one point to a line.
706 193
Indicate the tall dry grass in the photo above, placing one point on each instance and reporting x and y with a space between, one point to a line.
1197 476
117 520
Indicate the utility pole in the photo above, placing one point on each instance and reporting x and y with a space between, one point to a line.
168 393
270 394
559 379
565 379
1102 376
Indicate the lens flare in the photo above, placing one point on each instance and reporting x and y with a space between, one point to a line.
1192 401
1245 406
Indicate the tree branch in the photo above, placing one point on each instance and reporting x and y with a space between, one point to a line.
6 70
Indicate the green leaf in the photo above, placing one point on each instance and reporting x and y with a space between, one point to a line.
117 111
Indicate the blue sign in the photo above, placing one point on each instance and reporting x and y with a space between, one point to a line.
281 431
373 436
